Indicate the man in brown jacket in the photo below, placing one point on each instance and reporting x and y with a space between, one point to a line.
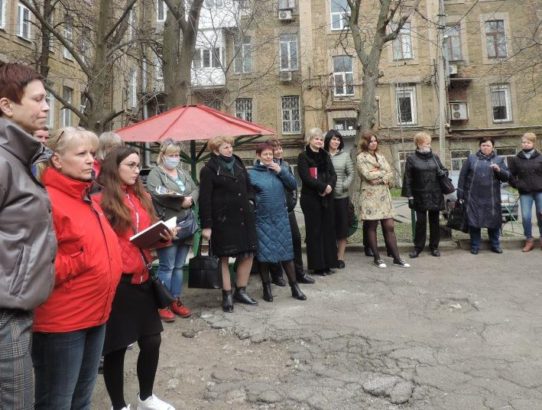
27 241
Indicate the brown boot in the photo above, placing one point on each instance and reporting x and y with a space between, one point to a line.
529 245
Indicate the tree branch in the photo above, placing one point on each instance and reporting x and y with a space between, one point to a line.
66 104
126 11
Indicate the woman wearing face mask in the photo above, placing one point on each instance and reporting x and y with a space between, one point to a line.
69 328
227 217
269 181
479 187
169 176
422 188
318 180
526 176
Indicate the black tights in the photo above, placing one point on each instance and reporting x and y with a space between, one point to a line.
389 237
288 267
147 363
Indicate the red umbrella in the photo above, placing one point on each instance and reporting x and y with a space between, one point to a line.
190 122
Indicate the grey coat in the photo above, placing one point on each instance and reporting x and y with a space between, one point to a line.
344 168
167 207
27 239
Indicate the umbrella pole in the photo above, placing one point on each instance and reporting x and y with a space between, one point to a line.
193 160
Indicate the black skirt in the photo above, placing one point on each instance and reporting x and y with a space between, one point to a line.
341 218
134 314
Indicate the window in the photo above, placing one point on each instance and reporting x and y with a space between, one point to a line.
343 76
23 22
214 3
495 39
68 35
291 123
207 58
403 155
452 43
402 45
243 108
406 105
242 62
132 89
346 126
158 69
288 52
3 13
458 157
51 114
506 152
500 102
286 4
213 103
67 94
132 24
340 13
161 11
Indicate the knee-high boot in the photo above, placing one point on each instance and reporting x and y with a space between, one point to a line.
266 282
290 272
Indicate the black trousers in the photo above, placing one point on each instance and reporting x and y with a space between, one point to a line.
420 234
320 232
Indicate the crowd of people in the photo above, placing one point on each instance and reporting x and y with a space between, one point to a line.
77 289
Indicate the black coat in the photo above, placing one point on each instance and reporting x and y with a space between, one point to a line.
326 173
225 207
526 174
421 181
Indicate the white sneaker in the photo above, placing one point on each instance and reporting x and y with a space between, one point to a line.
380 263
153 403
124 408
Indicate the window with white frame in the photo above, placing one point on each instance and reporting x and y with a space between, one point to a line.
67 94
242 62
495 39
83 101
51 114
406 105
3 13
286 4
458 158
68 35
452 43
161 11
346 126
500 102
158 67
506 152
24 27
291 121
207 58
402 45
340 13
214 3
403 155
288 52
132 89
343 76
243 108
213 102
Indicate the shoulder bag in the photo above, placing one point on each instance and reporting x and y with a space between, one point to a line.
446 184
204 271
162 295
457 217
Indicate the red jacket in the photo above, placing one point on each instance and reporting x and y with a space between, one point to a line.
88 262
132 260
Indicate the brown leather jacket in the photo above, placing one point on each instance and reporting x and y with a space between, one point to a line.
27 239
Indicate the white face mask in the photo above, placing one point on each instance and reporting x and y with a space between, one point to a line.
171 162
424 150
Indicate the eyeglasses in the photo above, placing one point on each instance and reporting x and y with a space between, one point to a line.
132 165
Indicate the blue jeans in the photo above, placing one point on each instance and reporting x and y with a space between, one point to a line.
526 202
66 367
170 267
476 237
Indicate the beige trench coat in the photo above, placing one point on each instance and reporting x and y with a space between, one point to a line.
375 200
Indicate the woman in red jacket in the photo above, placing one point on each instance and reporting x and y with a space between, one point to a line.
69 327
134 316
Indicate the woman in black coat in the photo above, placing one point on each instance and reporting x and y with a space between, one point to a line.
318 180
422 188
227 216
526 176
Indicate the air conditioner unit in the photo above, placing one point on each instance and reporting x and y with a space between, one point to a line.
452 69
285 76
459 111
285 15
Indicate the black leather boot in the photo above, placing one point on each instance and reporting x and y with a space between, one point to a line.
296 292
242 296
303 277
267 295
227 301
276 276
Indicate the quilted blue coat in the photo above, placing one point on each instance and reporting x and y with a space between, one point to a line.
272 223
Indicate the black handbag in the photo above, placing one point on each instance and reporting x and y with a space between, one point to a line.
457 218
446 184
187 226
353 222
162 295
204 271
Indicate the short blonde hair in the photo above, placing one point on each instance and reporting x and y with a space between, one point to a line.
108 141
530 136
313 132
421 137
216 142
168 147
63 138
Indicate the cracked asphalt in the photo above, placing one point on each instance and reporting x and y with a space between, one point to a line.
455 332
